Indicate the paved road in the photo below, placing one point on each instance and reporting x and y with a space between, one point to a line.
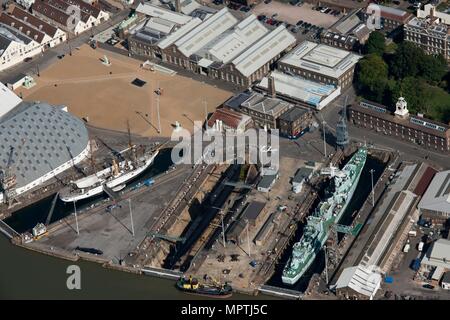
48 57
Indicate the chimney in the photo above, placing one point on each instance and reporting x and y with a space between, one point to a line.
271 87
178 5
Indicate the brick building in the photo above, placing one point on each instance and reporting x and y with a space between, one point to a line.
414 129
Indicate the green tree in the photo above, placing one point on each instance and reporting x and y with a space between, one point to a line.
406 61
376 43
433 68
371 77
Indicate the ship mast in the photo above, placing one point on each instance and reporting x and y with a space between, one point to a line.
130 144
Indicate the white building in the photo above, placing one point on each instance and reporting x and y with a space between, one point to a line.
320 63
47 140
55 12
53 35
299 179
8 100
301 91
15 47
358 282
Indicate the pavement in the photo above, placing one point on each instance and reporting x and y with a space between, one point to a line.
113 232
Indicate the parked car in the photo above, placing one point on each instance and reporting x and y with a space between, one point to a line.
27 59
267 1
428 286
327 11
245 9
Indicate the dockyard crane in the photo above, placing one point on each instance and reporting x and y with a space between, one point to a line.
8 177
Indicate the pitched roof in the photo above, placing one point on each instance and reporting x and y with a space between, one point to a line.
268 47
50 12
34 21
228 117
22 27
437 196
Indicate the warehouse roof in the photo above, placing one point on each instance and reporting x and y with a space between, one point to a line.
155 11
360 279
300 89
207 31
322 59
43 138
243 35
437 196
177 34
267 48
253 210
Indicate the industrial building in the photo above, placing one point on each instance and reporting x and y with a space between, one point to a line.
302 175
358 283
320 63
412 128
220 46
437 260
266 183
298 90
249 218
348 33
435 203
264 110
38 142
56 13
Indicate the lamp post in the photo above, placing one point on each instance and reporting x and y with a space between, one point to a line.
373 193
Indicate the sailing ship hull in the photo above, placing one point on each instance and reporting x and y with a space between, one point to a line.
120 180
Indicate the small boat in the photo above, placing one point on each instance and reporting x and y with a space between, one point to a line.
90 250
193 286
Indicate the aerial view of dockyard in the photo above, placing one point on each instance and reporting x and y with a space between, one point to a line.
243 149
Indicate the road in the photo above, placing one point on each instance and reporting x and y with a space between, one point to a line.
48 57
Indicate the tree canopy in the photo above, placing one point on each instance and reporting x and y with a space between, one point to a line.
375 44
